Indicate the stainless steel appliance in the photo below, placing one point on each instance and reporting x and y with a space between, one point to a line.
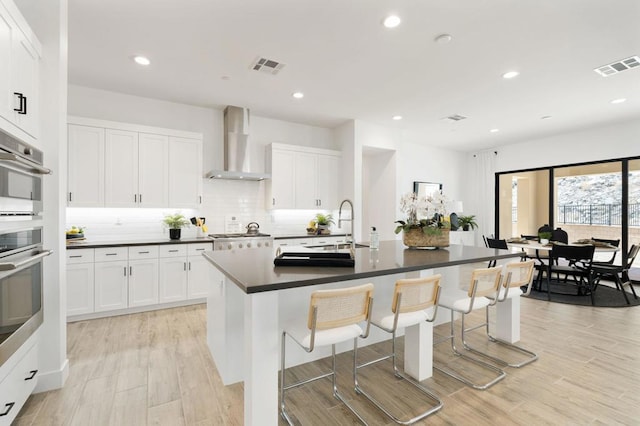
21 173
241 241
21 256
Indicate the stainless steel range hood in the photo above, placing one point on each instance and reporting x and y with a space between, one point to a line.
236 148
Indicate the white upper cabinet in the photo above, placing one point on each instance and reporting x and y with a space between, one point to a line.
303 178
19 73
119 165
185 172
153 170
121 168
86 166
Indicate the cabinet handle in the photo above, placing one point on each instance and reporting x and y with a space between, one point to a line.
273 201
130 270
9 406
32 375
320 202
200 249
125 271
143 252
70 197
185 266
140 198
75 256
23 103
111 254
135 198
200 199
173 251
189 265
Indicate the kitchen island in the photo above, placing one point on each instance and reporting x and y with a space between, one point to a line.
246 312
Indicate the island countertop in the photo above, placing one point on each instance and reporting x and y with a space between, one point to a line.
253 271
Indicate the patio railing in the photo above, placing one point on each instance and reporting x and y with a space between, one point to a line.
597 214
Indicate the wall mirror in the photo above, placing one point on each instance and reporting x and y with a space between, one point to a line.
426 188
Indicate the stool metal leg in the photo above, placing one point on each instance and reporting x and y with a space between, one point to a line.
500 373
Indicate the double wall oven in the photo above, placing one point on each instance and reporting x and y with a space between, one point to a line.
21 251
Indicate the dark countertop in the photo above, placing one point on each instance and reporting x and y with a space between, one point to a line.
137 242
282 237
253 270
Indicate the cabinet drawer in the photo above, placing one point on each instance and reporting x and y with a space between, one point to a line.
18 385
143 252
173 250
80 256
197 249
111 254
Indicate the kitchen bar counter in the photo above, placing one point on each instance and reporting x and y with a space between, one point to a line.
294 236
247 312
391 258
133 242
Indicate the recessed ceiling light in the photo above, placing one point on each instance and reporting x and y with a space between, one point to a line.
298 95
494 130
510 74
618 101
141 60
391 21
396 117
443 39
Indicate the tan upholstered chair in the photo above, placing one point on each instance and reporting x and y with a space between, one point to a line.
411 299
334 317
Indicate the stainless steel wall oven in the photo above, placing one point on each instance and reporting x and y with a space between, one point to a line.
21 257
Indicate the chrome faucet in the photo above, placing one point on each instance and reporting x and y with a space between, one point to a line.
340 220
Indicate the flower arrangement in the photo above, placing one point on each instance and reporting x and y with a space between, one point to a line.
431 207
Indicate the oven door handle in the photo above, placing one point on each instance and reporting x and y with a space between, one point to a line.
25 164
9 266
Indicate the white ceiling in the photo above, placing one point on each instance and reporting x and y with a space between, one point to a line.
350 67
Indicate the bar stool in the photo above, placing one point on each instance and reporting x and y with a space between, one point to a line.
334 317
411 298
518 274
484 282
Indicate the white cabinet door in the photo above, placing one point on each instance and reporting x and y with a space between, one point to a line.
282 180
153 170
173 279
6 92
305 182
25 62
185 173
110 285
80 288
86 166
328 181
200 276
121 168
143 282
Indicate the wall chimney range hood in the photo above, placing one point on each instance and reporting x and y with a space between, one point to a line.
237 148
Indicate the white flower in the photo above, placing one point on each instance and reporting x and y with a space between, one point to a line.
422 207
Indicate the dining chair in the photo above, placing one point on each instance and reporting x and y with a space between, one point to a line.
484 282
560 236
334 317
614 243
411 299
496 244
515 276
574 261
618 273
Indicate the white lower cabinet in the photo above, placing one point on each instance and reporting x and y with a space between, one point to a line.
110 279
111 290
80 281
16 386
143 275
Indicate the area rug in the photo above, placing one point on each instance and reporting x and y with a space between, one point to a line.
604 296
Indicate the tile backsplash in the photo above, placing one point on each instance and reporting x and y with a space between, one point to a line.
221 199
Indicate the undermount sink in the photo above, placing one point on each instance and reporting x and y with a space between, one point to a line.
338 246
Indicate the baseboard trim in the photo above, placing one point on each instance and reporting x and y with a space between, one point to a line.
51 380
135 310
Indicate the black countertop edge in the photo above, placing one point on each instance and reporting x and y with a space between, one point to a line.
292 237
125 243
345 275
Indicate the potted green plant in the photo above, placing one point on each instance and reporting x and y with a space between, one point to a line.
175 222
467 222
323 222
544 237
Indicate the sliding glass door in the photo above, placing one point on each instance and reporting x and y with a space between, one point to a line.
523 203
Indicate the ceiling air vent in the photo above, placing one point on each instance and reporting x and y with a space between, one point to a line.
619 66
268 66
454 118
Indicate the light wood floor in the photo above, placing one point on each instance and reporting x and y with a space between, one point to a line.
155 368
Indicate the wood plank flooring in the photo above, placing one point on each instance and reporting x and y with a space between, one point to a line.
154 368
